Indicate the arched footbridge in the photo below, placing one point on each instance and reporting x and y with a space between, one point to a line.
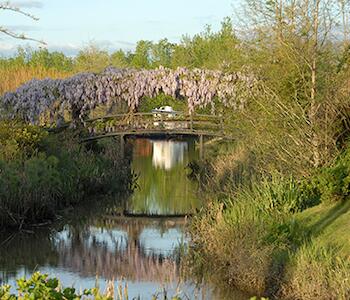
157 124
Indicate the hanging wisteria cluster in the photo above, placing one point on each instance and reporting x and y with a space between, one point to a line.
83 92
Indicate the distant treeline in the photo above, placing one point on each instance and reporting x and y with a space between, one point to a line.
205 50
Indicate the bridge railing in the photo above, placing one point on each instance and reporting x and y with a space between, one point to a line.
158 121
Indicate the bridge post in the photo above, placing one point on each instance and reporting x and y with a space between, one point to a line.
161 121
122 145
221 124
201 147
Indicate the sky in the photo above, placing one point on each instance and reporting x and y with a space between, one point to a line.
70 25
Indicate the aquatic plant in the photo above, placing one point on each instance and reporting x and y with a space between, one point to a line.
41 286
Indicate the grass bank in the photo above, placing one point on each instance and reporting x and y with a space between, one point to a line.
279 237
42 173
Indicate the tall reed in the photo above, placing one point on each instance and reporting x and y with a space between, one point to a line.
13 76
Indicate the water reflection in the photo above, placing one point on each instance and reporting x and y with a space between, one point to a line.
164 188
137 250
167 154
100 240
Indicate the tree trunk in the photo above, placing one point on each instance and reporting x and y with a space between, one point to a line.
315 141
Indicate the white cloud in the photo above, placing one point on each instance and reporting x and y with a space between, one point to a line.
125 43
27 4
70 49
6 46
7 49
111 45
22 28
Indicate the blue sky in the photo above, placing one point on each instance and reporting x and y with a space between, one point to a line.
68 25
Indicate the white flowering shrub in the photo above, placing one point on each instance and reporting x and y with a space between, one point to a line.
83 92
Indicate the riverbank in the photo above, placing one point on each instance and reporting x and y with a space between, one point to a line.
278 237
42 173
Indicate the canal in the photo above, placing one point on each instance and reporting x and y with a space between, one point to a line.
138 241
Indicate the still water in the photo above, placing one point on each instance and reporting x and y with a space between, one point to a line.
137 241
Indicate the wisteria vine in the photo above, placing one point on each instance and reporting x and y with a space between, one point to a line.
81 93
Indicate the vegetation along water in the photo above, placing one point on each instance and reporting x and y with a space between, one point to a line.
217 167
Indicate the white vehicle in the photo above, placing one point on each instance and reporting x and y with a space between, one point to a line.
166 112
164 109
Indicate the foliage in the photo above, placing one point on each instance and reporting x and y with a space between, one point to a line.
41 173
17 139
273 247
162 100
279 195
91 59
41 286
210 50
83 92
333 182
27 57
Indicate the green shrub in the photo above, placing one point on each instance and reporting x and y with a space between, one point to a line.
39 286
334 182
278 195
57 172
19 139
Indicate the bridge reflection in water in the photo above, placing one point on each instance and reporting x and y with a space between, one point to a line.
167 154
164 187
100 240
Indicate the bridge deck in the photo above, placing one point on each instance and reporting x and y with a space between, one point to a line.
155 124
154 133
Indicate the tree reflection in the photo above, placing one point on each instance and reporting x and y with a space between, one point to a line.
98 239
164 187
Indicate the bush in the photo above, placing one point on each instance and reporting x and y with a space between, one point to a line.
39 286
46 173
18 139
29 189
333 182
284 195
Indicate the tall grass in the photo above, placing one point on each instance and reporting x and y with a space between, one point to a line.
13 76
317 272
256 243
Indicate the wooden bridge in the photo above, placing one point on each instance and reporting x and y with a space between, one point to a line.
155 123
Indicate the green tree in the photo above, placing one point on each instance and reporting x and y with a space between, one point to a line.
120 59
289 47
142 55
211 50
161 53
92 59
46 59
